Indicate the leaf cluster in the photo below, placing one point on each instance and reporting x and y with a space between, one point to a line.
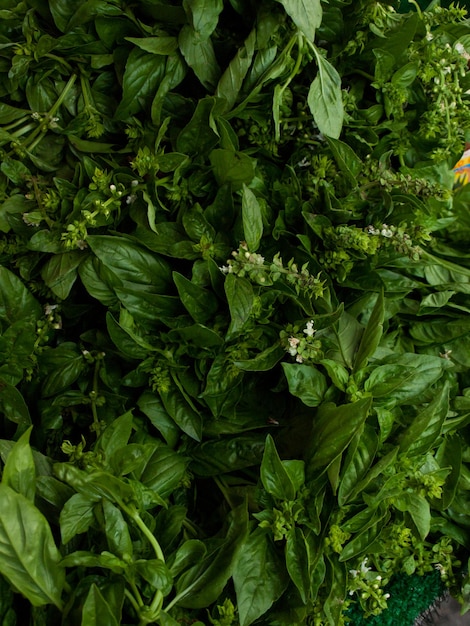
234 337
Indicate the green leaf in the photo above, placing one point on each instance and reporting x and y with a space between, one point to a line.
63 365
16 171
77 516
365 538
426 427
236 168
16 302
155 572
231 81
130 262
252 219
306 15
325 99
96 611
116 435
418 508
204 15
164 470
260 577
298 562
12 405
305 382
204 583
347 160
335 580
117 531
404 377
184 415
29 558
333 429
155 45
19 472
359 458
200 303
274 476
200 56
337 372
142 76
372 334
228 454
188 554
240 298
60 272
263 361
152 406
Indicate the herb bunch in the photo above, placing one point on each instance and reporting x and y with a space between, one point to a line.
233 309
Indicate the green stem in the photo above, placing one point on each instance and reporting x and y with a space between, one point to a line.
134 515
93 396
135 601
36 136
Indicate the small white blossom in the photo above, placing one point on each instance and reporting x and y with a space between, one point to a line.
112 188
49 308
134 183
309 330
131 198
429 36
35 115
303 163
299 358
364 568
226 269
386 231
459 47
371 230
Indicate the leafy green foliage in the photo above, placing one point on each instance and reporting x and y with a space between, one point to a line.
234 285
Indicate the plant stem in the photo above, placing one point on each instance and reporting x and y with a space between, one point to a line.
134 515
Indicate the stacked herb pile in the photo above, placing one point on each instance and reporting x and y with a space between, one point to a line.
234 309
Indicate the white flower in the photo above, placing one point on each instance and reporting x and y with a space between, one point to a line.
309 330
365 569
386 231
371 230
429 36
460 48
112 188
226 269
134 183
299 358
293 342
131 198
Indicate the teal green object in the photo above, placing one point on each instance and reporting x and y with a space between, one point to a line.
410 597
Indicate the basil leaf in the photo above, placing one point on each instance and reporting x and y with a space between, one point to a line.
307 16
252 219
259 576
96 611
333 429
29 557
305 382
19 472
273 474
325 99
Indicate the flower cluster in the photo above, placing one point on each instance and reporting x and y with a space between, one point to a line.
104 200
253 266
368 586
302 343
